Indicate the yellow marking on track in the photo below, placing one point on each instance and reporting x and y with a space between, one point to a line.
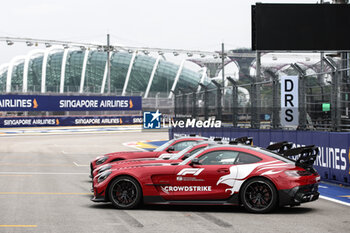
18 226
144 145
345 196
35 165
42 193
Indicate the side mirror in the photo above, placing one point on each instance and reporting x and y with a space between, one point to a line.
186 156
170 149
195 161
165 156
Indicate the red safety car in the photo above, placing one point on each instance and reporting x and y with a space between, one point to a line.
171 146
174 157
163 158
257 178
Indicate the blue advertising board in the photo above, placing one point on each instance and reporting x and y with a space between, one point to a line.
333 162
9 122
69 103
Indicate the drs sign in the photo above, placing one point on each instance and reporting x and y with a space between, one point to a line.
289 101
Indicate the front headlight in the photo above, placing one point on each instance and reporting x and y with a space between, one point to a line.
103 176
104 168
101 160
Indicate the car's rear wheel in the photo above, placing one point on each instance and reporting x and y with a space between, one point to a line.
259 195
125 192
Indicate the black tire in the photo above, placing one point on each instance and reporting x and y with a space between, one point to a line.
258 195
125 192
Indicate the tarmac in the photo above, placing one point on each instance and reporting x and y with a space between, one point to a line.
45 187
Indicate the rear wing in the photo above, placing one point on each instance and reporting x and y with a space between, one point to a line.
307 154
280 147
242 140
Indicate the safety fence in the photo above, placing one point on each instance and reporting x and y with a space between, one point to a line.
9 122
332 162
255 101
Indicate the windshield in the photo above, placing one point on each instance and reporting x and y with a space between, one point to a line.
181 153
192 157
165 145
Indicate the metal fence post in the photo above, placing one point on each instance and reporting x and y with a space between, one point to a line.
194 101
256 96
275 103
234 101
218 100
335 94
183 103
206 101
254 121
175 105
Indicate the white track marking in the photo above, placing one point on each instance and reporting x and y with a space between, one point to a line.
42 173
134 147
335 200
80 165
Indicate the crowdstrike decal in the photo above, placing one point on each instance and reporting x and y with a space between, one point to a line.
168 189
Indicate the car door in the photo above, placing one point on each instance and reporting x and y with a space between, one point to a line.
201 181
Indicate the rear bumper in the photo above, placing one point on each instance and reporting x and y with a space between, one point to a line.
298 195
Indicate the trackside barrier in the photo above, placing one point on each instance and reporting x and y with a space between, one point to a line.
9 122
332 163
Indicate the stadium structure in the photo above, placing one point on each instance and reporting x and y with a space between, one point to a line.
73 70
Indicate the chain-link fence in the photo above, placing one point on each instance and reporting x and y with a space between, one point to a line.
324 100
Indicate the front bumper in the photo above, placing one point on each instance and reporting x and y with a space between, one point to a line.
91 170
298 195
98 197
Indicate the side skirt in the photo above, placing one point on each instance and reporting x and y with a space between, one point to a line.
233 200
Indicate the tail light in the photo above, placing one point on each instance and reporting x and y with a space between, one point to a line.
297 173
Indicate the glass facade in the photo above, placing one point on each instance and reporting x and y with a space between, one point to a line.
95 70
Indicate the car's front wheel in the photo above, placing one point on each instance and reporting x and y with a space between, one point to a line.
125 192
259 195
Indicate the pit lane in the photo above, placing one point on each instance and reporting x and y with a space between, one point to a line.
45 188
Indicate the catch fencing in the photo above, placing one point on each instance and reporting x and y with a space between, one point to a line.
255 102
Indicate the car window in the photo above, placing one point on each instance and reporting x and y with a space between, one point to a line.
182 145
196 150
245 158
165 145
219 157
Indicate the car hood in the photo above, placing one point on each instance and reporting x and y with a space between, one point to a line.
133 155
140 165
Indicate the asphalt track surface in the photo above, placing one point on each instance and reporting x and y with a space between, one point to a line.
44 187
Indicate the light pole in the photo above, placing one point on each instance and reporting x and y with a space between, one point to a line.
108 66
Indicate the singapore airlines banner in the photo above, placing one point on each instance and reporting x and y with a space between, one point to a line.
69 103
9 122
